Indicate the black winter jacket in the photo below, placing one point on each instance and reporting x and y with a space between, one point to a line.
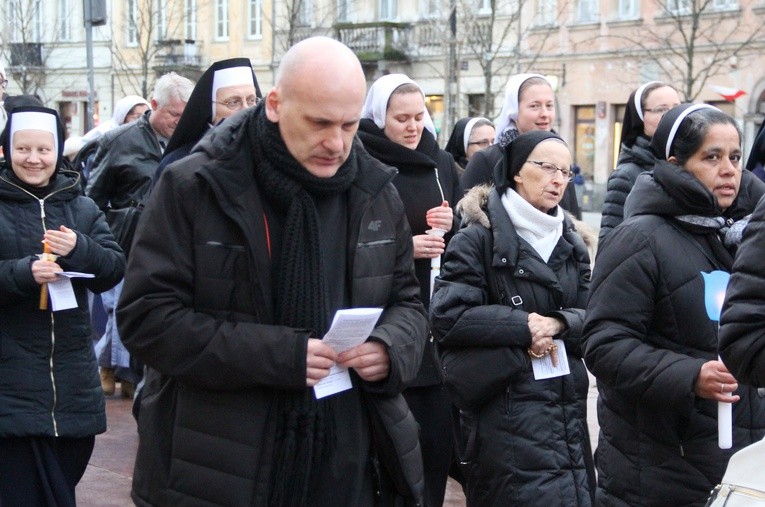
49 382
124 165
199 311
528 444
633 160
646 336
742 328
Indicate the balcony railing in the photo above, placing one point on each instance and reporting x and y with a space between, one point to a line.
376 41
178 53
26 54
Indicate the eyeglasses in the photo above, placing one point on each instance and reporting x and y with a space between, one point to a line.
482 143
236 103
4 83
658 110
552 169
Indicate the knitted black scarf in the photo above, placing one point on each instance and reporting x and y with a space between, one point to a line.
301 301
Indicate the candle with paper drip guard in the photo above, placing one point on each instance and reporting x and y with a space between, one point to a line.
715 284
45 256
435 262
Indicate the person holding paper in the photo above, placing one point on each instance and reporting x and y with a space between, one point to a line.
396 129
648 338
249 248
51 403
507 313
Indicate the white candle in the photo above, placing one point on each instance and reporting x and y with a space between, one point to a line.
724 424
435 262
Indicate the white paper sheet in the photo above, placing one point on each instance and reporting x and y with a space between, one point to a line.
350 327
543 367
62 293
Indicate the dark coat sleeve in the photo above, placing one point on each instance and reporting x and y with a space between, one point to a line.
625 290
96 250
742 322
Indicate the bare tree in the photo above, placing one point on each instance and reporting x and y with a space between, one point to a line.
23 46
499 35
294 20
693 41
152 30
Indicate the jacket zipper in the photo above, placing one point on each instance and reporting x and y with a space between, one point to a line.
52 341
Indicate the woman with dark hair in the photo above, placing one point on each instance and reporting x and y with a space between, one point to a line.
51 403
470 135
647 336
512 292
396 129
645 108
529 105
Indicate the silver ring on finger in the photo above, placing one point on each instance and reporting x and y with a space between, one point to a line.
722 387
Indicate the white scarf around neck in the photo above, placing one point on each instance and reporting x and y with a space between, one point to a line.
542 231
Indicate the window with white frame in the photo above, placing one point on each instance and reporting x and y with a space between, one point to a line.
725 5
587 11
344 8
387 10
484 6
546 12
131 22
221 19
161 17
679 6
255 18
628 9
304 13
429 9
25 19
64 28
190 20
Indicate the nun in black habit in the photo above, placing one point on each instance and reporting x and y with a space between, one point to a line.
225 87
469 136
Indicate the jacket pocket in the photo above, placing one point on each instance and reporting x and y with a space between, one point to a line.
222 279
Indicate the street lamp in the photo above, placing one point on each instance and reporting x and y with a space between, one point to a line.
94 14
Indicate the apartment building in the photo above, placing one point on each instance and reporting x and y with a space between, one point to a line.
460 51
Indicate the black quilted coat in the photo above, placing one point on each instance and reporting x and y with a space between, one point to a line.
527 442
646 336
48 373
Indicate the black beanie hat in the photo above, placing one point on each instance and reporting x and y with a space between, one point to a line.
664 137
515 155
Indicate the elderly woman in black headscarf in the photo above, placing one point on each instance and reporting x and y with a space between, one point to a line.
645 108
51 404
226 87
511 293
648 338
470 135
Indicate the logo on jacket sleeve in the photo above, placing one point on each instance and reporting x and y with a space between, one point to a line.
374 225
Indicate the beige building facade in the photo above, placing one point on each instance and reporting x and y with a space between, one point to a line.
595 52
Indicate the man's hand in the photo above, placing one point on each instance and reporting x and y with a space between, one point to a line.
370 360
319 359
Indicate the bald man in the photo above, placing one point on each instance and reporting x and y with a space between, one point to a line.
278 220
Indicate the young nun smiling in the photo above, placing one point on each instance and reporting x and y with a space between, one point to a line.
51 403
